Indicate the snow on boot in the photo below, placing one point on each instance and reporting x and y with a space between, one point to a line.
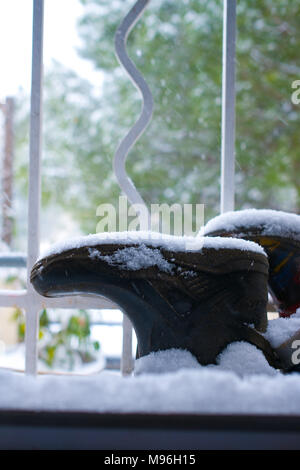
279 234
178 294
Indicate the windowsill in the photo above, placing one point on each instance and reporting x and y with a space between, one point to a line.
93 431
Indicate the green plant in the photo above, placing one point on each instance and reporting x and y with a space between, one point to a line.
66 346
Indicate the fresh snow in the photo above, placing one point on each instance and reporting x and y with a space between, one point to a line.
241 358
282 329
134 258
276 223
191 389
154 239
169 381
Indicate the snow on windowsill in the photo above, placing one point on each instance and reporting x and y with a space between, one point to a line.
242 382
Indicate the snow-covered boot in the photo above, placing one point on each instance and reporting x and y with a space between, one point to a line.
178 294
279 234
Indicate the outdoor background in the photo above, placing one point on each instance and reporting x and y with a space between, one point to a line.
177 46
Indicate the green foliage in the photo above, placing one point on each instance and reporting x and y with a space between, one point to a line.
18 317
178 48
70 343
65 347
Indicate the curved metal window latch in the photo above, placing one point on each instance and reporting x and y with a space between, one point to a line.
139 127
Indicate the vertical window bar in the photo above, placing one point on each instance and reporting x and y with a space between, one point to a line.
228 107
126 359
32 309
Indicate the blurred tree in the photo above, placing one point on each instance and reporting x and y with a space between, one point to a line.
178 48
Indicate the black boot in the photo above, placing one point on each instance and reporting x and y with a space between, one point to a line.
279 234
195 300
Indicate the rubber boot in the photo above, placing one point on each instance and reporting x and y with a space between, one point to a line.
279 234
198 300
